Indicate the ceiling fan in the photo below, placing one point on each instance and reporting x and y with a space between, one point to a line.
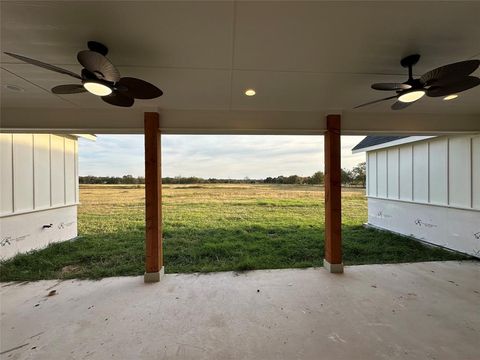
446 80
100 77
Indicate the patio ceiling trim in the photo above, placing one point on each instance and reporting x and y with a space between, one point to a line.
130 121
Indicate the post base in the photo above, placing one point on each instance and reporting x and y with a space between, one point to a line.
333 268
150 277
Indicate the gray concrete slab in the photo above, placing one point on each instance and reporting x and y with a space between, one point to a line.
406 311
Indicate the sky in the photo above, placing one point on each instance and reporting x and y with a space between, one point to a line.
213 156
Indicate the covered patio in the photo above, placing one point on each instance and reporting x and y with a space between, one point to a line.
404 311
310 63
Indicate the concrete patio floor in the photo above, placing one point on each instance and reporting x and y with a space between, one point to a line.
405 311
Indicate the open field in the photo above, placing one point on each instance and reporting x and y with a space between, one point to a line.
213 228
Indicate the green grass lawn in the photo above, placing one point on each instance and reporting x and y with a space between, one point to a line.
213 228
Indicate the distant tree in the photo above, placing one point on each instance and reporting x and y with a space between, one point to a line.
346 177
128 179
316 179
293 179
359 173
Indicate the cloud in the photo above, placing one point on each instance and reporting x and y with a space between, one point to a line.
220 156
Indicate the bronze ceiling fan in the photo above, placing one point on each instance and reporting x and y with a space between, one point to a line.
446 80
99 77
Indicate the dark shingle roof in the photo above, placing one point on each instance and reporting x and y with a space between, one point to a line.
376 140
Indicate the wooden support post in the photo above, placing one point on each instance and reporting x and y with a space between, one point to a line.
333 197
153 199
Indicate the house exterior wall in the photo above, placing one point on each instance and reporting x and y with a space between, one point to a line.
428 189
39 186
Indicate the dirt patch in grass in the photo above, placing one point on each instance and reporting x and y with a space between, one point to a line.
70 269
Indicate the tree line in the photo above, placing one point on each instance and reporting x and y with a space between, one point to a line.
354 177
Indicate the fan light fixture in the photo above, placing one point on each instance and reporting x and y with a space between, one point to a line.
445 82
98 77
450 97
97 88
250 92
411 96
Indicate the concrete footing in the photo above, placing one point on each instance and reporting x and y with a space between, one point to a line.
333 268
154 276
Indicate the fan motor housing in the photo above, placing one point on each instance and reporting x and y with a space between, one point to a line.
97 47
410 60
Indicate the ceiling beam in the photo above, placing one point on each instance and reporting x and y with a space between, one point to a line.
130 121
401 123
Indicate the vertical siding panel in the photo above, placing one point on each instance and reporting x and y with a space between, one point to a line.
420 172
448 170
460 166
13 178
471 172
413 174
438 171
376 174
372 184
64 173
406 175
41 171
382 173
23 172
367 161
57 170
33 171
392 173
77 186
428 171
386 175
69 171
6 175
398 171
476 172
50 166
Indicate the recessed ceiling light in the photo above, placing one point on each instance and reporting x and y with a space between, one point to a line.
11 87
250 92
411 96
450 97
97 88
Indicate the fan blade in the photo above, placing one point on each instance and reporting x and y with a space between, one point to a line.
390 86
399 105
118 99
68 89
453 87
140 89
375 101
449 72
99 65
44 65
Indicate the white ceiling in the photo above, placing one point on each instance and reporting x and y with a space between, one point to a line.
301 57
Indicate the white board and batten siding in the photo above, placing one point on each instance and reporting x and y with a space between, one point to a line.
39 191
428 189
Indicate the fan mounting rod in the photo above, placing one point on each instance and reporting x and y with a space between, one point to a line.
408 62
